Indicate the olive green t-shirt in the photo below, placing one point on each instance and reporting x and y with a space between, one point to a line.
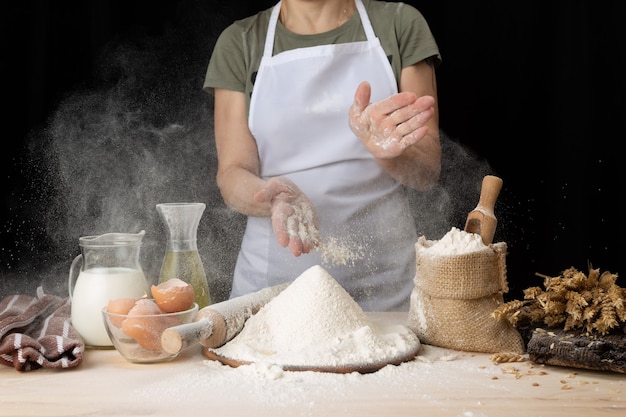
402 30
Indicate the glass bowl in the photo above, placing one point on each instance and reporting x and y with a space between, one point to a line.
143 345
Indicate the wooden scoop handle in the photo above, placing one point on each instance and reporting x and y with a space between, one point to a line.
482 220
218 323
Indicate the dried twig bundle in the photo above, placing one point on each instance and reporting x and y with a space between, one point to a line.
573 300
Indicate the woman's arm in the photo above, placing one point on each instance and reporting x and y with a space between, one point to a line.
425 158
293 217
237 155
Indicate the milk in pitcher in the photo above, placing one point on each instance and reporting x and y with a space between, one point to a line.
94 288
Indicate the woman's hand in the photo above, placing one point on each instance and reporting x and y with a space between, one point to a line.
387 128
293 216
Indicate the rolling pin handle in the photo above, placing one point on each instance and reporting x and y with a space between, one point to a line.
178 338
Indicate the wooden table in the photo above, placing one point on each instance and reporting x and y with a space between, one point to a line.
439 382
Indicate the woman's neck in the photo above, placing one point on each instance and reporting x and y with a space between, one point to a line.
308 17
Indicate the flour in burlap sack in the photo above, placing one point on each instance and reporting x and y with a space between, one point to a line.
459 283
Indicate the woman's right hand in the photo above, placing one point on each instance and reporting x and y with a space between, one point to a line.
387 128
293 216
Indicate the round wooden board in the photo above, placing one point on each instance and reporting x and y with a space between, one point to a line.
362 368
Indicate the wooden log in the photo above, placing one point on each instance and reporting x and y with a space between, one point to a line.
578 349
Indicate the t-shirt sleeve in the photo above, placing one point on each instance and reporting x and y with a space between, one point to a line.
416 40
226 67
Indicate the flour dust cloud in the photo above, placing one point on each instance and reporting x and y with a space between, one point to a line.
139 133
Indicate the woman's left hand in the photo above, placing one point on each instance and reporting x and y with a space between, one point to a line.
391 125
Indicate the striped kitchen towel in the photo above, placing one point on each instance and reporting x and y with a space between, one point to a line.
35 332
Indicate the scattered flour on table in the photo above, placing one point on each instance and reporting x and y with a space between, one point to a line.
455 242
315 323
261 387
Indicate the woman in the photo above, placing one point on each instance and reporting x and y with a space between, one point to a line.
315 143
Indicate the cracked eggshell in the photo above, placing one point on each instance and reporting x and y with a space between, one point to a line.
173 295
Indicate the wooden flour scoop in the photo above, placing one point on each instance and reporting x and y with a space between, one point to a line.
482 220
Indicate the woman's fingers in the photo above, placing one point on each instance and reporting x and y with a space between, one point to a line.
292 215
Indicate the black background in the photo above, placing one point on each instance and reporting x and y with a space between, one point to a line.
533 91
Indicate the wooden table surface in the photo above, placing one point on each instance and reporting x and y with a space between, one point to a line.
439 382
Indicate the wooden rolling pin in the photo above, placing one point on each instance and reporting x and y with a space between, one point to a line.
218 323
482 220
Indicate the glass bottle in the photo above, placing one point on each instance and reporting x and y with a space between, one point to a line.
182 259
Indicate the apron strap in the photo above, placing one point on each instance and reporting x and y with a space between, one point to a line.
365 21
271 31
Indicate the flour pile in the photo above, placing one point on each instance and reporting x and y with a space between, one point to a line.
314 323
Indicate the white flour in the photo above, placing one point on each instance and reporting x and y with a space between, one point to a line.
455 242
261 389
315 323
340 251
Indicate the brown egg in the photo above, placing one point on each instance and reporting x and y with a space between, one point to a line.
146 322
173 295
119 306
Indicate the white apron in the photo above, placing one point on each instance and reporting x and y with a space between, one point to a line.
299 118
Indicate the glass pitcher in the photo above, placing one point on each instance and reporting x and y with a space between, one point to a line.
109 269
182 259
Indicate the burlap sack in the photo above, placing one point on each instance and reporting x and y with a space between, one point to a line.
454 297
